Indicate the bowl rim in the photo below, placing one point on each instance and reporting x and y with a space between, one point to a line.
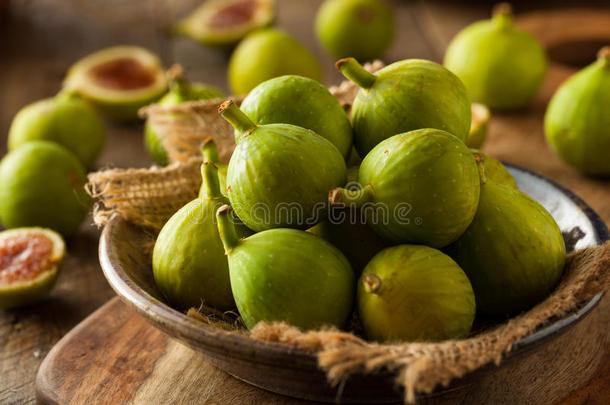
164 316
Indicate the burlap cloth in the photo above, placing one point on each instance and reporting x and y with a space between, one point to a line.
148 197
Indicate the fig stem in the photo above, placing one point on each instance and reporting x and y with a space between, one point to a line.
481 166
211 184
354 198
503 10
371 283
226 228
209 150
604 55
354 71
236 118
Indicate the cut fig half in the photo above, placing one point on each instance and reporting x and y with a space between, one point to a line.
478 126
30 259
118 80
226 22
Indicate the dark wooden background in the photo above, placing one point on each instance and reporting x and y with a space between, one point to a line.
40 39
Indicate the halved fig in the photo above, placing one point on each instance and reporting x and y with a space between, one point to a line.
118 80
478 126
226 22
30 259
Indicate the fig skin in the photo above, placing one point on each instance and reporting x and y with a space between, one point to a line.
513 252
577 122
478 126
362 29
43 184
404 96
65 119
266 54
287 275
279 175
27 291
501 65
303 102
494 169
415 293
419 187
189 264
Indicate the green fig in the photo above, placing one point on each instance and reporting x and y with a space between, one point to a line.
415 293
478 126
362 29
189 264
180 91
513 252
118 80
266 54
287 275
226 22
404 96
209 154
30 260
418 187
302 102
279 175
494 169
65 119
577 121
501 65
43 184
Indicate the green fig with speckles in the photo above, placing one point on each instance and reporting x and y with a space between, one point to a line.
287 275
279 175
418 187
414 293
303 102
404 96
494 169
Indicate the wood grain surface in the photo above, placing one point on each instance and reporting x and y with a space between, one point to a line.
40 39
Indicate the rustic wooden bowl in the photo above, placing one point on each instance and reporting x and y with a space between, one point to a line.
535 361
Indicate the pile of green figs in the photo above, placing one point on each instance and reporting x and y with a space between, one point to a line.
418 239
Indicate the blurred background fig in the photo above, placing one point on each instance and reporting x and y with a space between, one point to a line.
577 120
287 275
362 29
303 102
478 126
415 293
494 169
501 65
269 53
404 96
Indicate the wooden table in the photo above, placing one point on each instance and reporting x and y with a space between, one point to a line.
38 42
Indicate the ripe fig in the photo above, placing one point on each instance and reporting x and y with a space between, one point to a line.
478 126
181 90
494 169
65 119
501 65
42 184
189 264
418 187
404 96
30 260
209 154
362 29
577 122
226 22
118 80
266 54
513 252
302 102
287 275
279 174
414 293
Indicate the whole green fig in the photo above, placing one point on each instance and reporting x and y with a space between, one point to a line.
513 252
65 119
501 65
478 126
362 29
189 264
303 102
494 169
279 175
287 275
577 121
418 187
404 96
414 293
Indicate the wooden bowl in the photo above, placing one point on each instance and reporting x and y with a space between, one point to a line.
295 373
